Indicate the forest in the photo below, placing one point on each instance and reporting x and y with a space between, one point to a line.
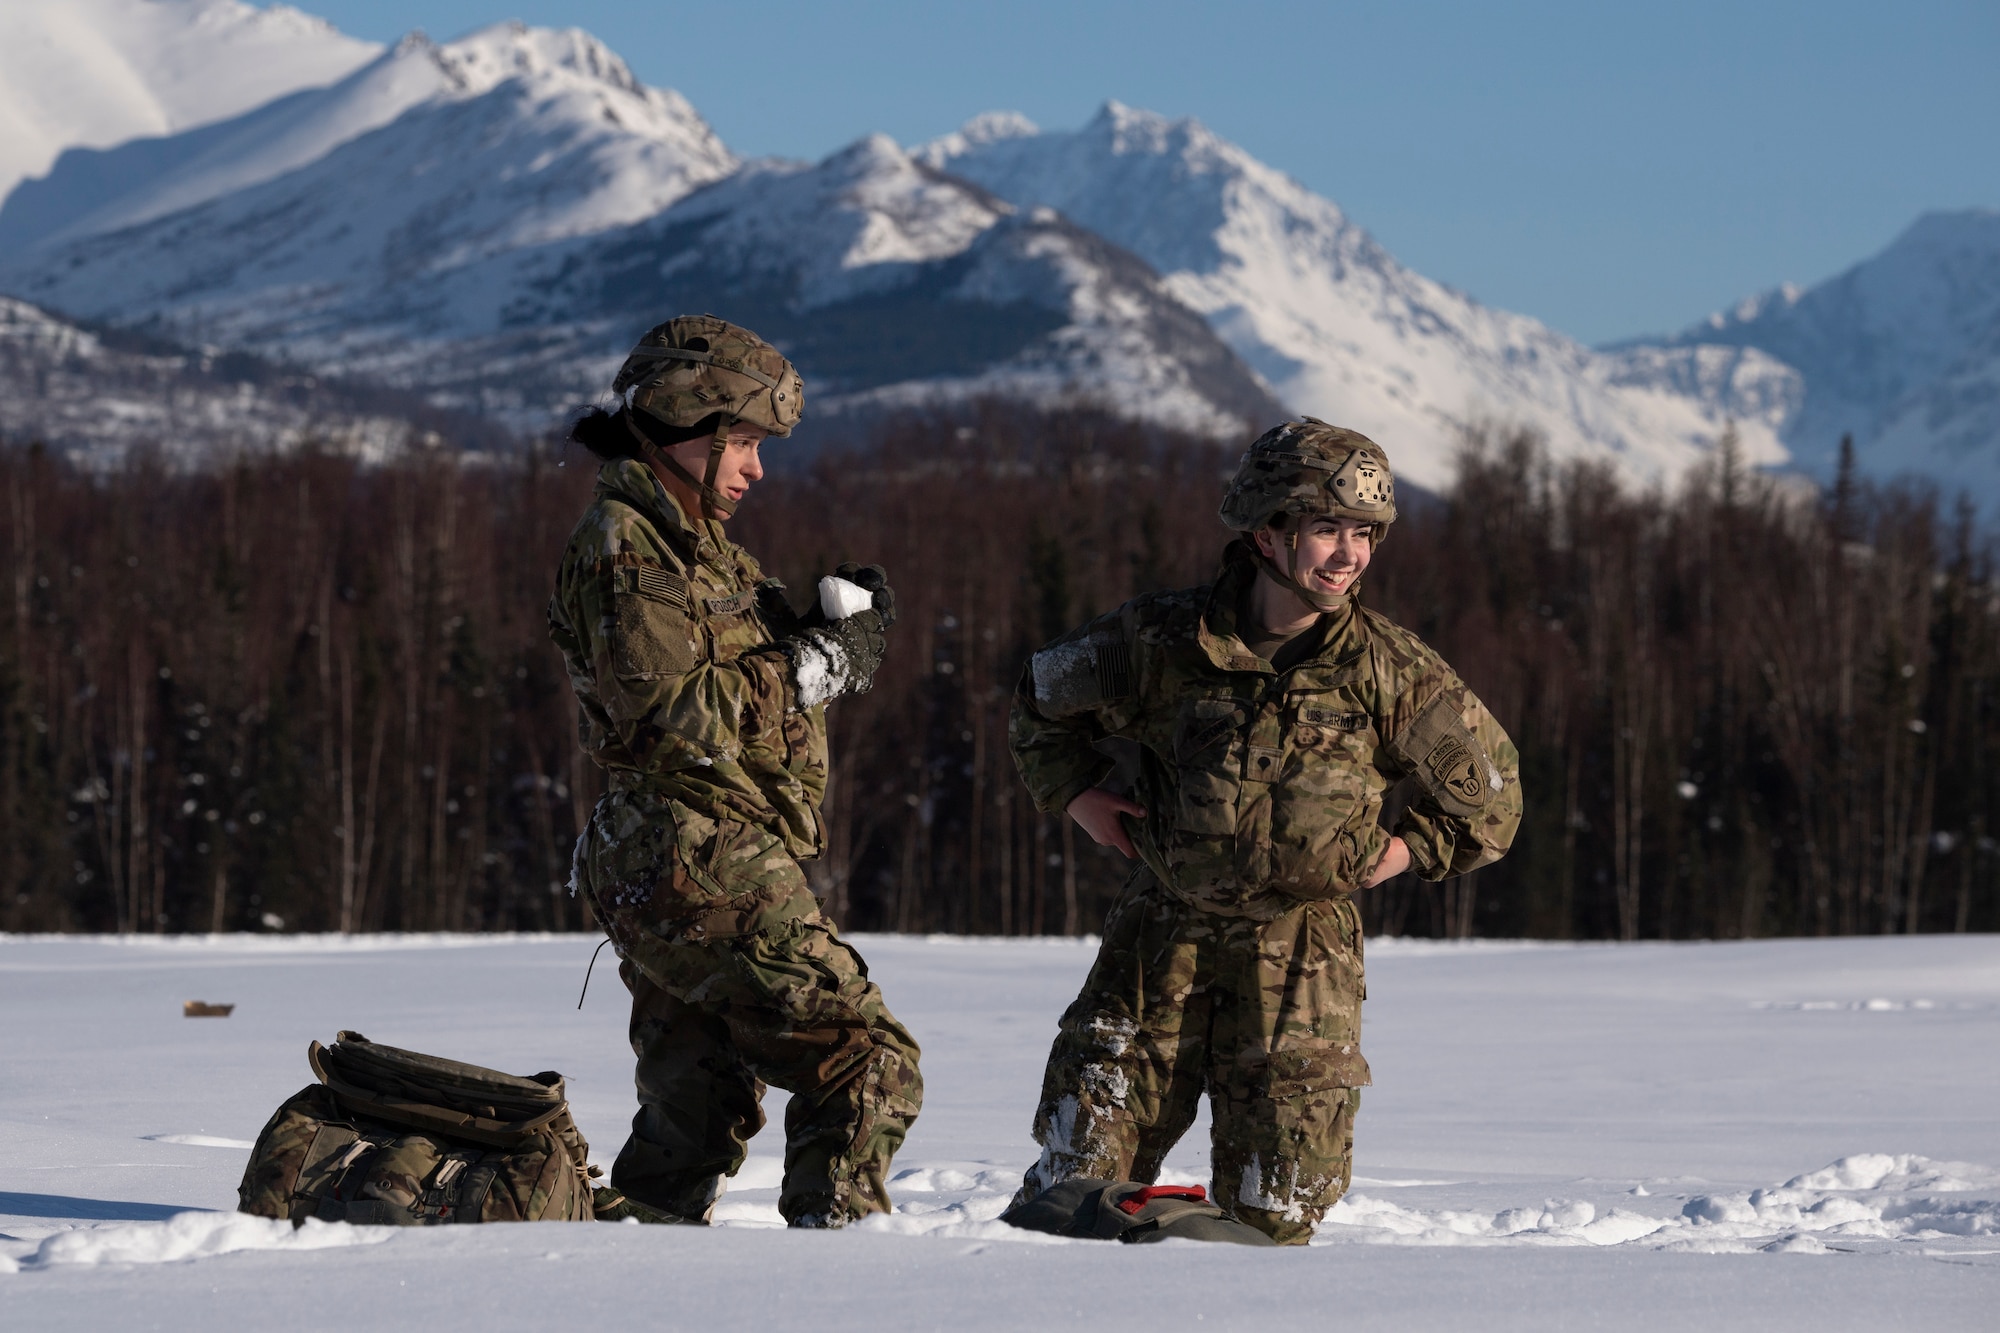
297 692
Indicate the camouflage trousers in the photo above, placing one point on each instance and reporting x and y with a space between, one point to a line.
1265 1016
738 981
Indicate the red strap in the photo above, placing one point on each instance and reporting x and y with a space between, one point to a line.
1132 1203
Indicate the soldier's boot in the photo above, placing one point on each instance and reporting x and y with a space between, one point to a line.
821 1191
612 1205
643 1173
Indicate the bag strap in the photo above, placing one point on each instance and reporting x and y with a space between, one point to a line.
1132 1203
418 1115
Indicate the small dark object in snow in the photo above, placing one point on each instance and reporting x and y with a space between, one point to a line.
203 1009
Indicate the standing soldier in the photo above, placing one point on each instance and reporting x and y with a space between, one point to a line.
1271 712
703 696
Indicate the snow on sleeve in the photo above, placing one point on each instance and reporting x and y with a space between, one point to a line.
820 669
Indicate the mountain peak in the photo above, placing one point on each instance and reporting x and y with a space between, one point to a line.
983 130
1132 129
511 49
992 126
869 154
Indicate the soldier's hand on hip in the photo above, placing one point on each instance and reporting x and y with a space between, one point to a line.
875 580
1395 860
1099 811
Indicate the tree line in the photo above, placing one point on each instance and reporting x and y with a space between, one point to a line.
298 692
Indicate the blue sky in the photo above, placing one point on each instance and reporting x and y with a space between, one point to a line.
1611 168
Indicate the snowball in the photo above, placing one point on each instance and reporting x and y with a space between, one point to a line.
839 599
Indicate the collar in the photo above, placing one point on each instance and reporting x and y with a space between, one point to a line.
630 481
1219 631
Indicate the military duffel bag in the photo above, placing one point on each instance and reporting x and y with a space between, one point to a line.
1129 1211
389 1137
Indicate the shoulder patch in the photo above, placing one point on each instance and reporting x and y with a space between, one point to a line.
658 584
1446 759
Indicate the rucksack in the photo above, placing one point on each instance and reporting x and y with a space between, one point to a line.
389 1137
1128 1211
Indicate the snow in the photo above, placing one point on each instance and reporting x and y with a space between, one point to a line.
91 73
190 1236
1731 1135
839 599
819 669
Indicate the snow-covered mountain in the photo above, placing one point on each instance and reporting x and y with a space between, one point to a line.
91 73
520 134
894 284
1902 351
490 221
498 219
369 254
1339 328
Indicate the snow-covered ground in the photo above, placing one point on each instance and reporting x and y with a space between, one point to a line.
1786 1134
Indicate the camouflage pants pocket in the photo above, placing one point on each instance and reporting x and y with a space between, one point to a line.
1288 1073
656 870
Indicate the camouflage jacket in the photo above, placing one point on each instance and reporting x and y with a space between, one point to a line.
668 630
1265 789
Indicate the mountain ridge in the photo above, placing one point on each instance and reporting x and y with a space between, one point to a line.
490 220
465 239
1340 329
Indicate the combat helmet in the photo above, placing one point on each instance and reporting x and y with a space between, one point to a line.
1307 469
698 366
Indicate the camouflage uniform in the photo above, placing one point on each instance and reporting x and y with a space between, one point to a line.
673 642
1232 962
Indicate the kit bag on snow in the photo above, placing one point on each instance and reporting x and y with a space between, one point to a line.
389 1137
1128 1211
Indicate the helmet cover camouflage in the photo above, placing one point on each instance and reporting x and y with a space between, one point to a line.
1306 468
693 367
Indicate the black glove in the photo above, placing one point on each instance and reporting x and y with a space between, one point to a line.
776 608
837 658
874 580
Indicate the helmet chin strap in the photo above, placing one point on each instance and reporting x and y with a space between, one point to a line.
1289 580
705 485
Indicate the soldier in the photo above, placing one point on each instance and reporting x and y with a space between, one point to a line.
1271 712
703 696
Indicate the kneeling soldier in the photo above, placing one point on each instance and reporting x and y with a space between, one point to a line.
1272 712
703 696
